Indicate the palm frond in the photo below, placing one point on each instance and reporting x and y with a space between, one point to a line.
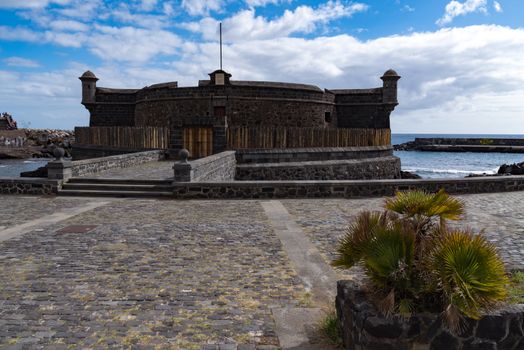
421 203
470 272
358 235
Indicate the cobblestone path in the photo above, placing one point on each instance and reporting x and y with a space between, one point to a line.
500 215
152 273
16 210
178 274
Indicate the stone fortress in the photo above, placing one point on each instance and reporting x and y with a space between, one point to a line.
206 119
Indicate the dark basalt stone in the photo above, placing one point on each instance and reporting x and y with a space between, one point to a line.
492 328
382 327
444 341
477 344
364 327
513 169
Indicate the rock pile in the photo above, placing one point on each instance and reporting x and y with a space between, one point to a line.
37 143
513 169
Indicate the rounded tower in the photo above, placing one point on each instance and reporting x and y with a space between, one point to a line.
389 94
88 80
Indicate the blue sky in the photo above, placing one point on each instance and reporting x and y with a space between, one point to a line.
460 60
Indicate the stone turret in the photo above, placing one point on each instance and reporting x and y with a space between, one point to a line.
88 87
389 94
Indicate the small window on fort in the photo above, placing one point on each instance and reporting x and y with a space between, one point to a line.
327 117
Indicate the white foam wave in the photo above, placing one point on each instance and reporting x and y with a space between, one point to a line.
450 171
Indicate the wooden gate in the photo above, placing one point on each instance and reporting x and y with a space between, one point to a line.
198 141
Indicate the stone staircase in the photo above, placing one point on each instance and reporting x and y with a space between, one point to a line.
99 187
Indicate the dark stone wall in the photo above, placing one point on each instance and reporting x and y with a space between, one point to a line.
362 109
34 186
344 169
245 106
282 155
112 109
363 327
343 189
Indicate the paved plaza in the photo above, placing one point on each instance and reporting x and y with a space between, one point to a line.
163 274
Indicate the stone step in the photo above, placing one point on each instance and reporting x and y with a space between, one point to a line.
96 180
119 194
117 187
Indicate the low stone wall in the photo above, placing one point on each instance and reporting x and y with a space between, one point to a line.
218 167
248 156
342 189
346 169
363 327
35 186
95 165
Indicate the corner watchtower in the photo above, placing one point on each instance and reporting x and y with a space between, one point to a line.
389 91
88 80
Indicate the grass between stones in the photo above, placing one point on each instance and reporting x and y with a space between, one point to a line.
329 327
516 289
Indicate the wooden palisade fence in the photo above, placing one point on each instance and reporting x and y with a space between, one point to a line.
264 137
123 137
237 137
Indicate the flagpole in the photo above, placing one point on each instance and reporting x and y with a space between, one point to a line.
220 45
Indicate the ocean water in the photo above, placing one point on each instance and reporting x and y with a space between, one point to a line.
13 167
425 164
453 164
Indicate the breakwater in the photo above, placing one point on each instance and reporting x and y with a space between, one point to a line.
501 145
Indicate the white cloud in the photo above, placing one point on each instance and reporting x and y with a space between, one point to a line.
68 25
497 6
82 9
18 34
167 8
456 8
131 44
245 25
255 3
21 62
124 15
408 8
201 7
148 5
30 4
66 39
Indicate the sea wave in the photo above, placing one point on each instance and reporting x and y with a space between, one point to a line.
449 171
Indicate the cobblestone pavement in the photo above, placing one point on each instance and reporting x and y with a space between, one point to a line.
16 210
153 273
160 170
178 274
500 215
